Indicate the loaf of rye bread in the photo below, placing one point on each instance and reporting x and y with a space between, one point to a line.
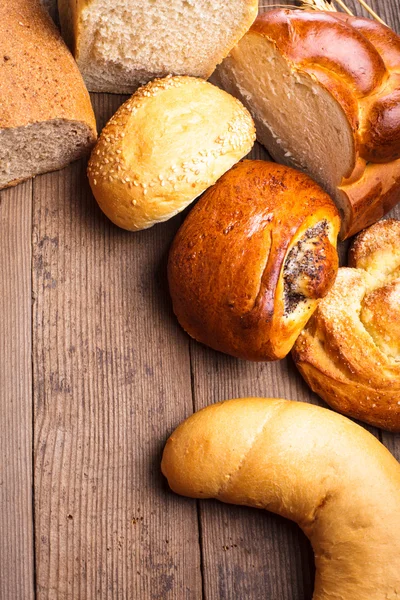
46 118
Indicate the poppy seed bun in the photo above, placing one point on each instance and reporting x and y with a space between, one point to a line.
165 146
252 259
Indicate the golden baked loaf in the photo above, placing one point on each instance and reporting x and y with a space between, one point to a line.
46 118
121 45
252 259
166 145
349 352
324 91
310 465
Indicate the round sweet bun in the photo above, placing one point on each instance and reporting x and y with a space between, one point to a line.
349 352
310 465
251 261
164 147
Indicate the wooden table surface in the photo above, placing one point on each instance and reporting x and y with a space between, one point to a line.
95 373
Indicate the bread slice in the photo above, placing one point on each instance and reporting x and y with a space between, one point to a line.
46 118
122 44
323 90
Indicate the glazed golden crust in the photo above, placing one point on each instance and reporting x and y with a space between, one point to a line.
39 79
308 464
251 260
358 62
349 352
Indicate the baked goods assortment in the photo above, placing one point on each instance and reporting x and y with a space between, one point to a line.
323 89
349 352
165 146
310 465
252 259
252 269
121 45
46 118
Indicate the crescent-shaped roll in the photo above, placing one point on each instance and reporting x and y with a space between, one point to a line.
310 465
251 261
349 352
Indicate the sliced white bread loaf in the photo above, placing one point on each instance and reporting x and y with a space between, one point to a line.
46 118
122 44
324 92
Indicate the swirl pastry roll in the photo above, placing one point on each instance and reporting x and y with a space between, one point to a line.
349 352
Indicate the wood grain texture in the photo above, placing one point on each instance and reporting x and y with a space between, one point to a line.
16 524
113 375
111 380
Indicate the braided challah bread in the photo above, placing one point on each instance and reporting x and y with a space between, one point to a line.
251 261
324 90
310 465
349 352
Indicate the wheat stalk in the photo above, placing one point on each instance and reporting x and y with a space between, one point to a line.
318 5
328 6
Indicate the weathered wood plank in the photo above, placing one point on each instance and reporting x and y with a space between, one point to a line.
16 521
387 10
111 380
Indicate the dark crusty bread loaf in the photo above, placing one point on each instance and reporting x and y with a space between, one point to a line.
46 118
251 261
324 91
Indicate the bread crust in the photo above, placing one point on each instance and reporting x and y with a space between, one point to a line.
39 78
349 352
166 145
358 62
310 465
237 268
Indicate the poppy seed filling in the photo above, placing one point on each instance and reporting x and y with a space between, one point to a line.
303 265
